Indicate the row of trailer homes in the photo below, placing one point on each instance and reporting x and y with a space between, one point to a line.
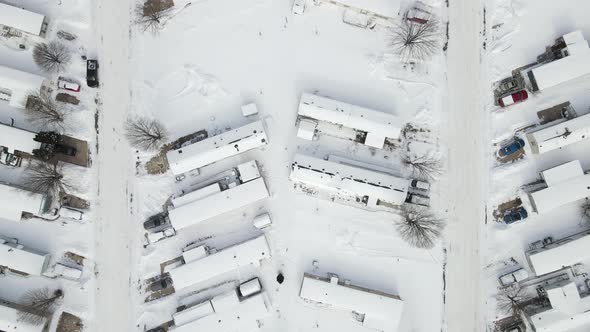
367 186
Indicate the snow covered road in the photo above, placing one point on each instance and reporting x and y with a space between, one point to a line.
464 134
113 305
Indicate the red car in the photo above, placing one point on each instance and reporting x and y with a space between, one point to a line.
66 84
514 98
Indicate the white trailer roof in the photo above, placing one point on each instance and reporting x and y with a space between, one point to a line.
227 260
345 178
560 135
568 311
562 70
388 8
216 148
20 84
576 44
15 201
378 125
9 321
193 313
217 204
14 139
382 312
569 190
21 19
238 317
19 259
196 195
556 258
562 172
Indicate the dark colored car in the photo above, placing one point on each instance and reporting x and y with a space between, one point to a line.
155 221
92 73
158 285
515 215
514 98
511 148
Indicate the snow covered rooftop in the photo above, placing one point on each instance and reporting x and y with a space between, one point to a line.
388 8
568 310
218 203
216 148
18 84
566 184
9 321
560 135
21 19
18 258
576 44
230 314
349 179
15 139
226 260
377 125
15 201
562 70
566 254
375 310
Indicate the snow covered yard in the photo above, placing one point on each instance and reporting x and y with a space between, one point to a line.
214 56
516 33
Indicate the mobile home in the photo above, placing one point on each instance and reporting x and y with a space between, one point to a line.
10 322
23 20
21 260
560 135
16 85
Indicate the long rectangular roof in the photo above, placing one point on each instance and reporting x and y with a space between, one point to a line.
562 70
16 139
563 172
219 203
560 135
568 312
226 260
556 258
381 311
389 8
20 259
378 125
349 179
237 317
569 190
9 321
216 148
21 19
15 201
20 84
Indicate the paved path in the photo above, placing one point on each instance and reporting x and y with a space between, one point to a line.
465 139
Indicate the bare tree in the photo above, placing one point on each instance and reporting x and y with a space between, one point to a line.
413 41
52 57
513 300
152 15
38 304
145 133
419 227
45 112
424 167
42 177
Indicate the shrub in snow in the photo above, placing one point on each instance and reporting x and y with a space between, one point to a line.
414 42
418 226
51 57
38 304
45 113
145 133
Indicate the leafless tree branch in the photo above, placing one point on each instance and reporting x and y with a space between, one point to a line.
419 227
145 133
413 41
46 178
424 167
39 304
513 300
52 57
45 113
152 15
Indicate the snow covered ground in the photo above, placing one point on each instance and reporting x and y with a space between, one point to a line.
515 33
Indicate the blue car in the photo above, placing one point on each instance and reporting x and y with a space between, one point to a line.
515 215
512 147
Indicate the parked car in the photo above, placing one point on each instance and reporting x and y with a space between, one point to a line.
67 84
70 213
420 185
418 15
67 272
66 98
515 215
154 222
507 85
514 98
92 73
66 35
514 276
511 148
161 284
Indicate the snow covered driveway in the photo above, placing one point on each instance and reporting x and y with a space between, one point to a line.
464 135
113 244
